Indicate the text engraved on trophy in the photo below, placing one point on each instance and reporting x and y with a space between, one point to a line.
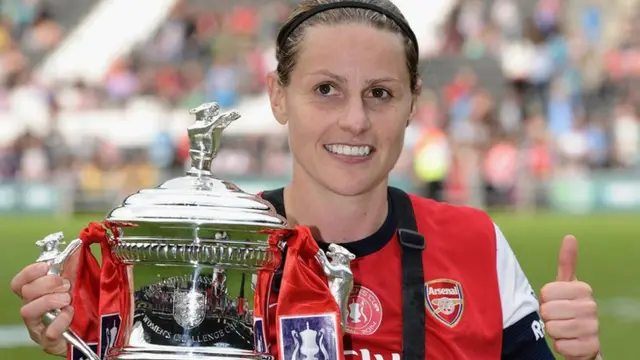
192 311
212 338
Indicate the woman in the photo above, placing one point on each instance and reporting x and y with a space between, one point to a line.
347 85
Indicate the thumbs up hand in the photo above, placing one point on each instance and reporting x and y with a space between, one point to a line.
568 309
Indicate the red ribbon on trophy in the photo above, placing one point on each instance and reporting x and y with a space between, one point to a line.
101 293
307 317
262 293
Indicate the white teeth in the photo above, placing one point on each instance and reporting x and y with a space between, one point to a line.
349 150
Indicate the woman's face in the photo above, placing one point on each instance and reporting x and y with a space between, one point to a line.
347 106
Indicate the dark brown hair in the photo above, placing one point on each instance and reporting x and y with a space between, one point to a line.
287 50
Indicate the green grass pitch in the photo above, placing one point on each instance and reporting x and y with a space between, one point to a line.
609 259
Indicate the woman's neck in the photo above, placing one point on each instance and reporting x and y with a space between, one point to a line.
332 217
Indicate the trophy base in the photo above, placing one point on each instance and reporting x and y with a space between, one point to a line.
199 353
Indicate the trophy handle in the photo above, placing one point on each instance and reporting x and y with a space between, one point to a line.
339 277
56 259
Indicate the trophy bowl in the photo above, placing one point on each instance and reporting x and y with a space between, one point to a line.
191 246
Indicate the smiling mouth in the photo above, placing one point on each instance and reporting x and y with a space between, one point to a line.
350 150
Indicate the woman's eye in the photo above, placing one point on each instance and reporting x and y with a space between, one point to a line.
380 93
325 89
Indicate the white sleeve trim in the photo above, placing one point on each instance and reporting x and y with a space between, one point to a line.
516 294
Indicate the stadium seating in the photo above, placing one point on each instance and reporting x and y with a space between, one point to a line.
224 5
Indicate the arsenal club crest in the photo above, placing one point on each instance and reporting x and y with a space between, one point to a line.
309 337
189 308
444 300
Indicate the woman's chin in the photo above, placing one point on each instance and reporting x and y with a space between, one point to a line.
352 186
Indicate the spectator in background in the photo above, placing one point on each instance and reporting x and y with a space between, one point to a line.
560 113
55 146
626 130
537 147
597 142
162 153
9 161
168 85
256 67
23 13
243 21
432 162
506 16
510 112
500 167
542 68
170 40
91 177
222 79
537 164
43 35
33 160
29 101
458 98
193 49
192 74
122 82
77 96
453 37
428 113
98 173
135 174
6 35
471 19
235 158
572 77
276 158
573 146
547 16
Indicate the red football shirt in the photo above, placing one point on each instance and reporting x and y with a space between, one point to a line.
478 303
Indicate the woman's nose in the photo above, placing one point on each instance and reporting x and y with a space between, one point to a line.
355 119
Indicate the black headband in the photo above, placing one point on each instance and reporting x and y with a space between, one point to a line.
288 28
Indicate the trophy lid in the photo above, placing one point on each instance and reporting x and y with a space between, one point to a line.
199 199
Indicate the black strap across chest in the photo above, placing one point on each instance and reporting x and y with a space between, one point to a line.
413 308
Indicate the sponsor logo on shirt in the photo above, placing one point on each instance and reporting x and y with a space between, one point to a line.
365 354
537 326
444 300
365 311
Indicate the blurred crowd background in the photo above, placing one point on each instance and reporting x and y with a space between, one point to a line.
527 104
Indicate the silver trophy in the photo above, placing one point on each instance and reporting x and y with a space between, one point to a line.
191 246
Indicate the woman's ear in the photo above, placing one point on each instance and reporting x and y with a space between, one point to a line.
277 98
414 99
